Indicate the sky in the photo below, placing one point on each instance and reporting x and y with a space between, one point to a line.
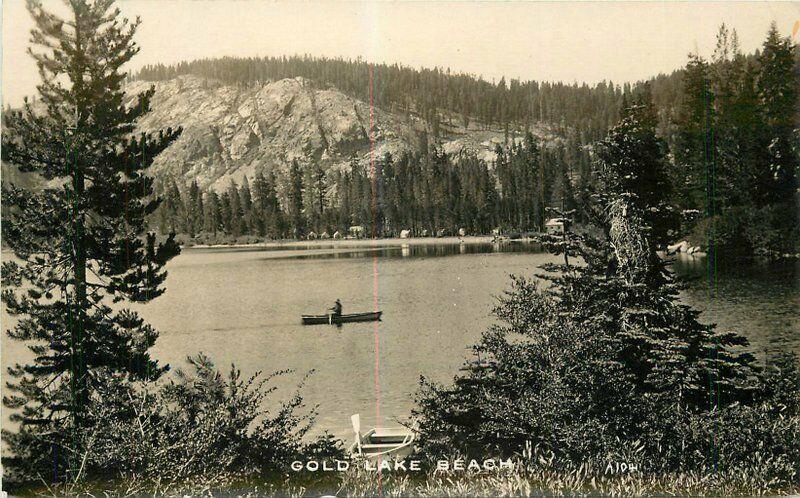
547 41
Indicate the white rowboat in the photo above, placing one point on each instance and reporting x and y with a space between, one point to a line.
394 443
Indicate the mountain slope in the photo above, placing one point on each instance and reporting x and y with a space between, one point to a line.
232 132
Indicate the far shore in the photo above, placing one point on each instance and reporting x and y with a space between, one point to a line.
391 241
398 242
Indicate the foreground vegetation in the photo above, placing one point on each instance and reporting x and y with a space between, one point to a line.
605 364
199 430
540 477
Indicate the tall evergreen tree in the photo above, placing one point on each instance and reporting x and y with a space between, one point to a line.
738 131
174 210
694 144
777 88
561 195
235 212
90 220
295 200
194 209
266 206
632 163
314 197
213 216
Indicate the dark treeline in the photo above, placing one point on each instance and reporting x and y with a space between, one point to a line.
424 192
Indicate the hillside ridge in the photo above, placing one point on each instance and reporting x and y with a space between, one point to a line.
232 132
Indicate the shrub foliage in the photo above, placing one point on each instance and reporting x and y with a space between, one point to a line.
199 430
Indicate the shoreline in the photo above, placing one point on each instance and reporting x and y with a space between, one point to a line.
385 242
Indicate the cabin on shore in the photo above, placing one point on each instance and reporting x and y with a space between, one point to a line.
356 231
556 226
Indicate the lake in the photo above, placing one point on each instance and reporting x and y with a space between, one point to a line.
243 306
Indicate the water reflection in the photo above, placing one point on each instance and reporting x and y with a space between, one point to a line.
244 307
344 251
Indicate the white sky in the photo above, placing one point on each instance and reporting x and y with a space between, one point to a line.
552 41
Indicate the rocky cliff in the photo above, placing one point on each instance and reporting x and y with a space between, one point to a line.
234 132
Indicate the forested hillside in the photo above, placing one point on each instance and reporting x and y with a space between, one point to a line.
734 144
489 154
437 95
728 123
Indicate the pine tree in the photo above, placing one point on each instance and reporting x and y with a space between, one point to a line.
234 212
561 195
91 219
314 197
344 202
777 87
225 213
246 203
199 210
295 200
213 216
266 207
174 209
194 209
259 209
694 144
633 163
738 132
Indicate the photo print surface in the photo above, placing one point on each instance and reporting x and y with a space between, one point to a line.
399 249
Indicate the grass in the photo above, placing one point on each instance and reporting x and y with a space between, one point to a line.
527 479
545 482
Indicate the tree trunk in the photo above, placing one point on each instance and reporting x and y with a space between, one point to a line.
80 305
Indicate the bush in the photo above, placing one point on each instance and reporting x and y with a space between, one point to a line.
197 431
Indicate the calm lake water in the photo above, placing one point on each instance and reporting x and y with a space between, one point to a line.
243 306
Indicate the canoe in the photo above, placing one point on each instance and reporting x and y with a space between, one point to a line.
331 319
395 443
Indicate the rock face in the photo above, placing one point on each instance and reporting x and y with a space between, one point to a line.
232 132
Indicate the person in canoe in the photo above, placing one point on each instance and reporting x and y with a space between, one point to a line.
337 309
